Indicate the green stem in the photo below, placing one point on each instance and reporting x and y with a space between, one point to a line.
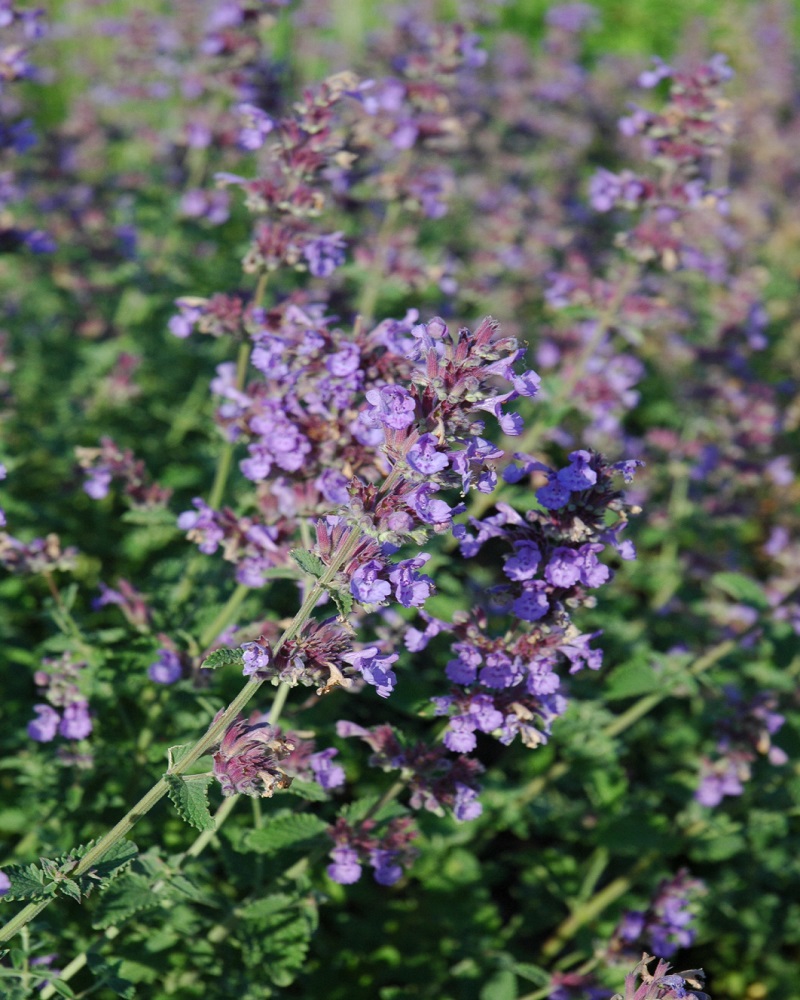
211 738
591 908
225 616
371 290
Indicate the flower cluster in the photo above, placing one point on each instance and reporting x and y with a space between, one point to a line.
386 852
107 463
744 733
246 762
18 28
436 780
58 682
662 984
665 926
509 685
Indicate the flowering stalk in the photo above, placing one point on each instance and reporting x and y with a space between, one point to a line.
212 737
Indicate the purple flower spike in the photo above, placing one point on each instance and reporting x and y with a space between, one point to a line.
248 756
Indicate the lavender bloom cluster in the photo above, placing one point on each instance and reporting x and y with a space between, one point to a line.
665 926
66 710
744 734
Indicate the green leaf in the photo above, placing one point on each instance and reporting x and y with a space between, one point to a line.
63 989
631 680
741 588
189 795
27 883
343 600
284 831
117 857
223 658
267 906
533 973
68 887
128 895
176 754
308 790
308 562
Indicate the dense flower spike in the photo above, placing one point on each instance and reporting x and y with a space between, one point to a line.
247 759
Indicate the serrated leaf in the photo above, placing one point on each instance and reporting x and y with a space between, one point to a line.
107 972
189 795
284 831
176 754
223 658
27 883
343 600
69 887
742 588
117 857
267 906
308 790
308 562
128 895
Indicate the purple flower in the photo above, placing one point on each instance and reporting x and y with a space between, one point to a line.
525 561
554 495
423 456
562 569
166 669
532 603
460 737
256 126
333 486
593 572
324 254
394 405
5 883
44 729
653 76
257 657
578 475
97 482
466 805
412 589
184 323
76 723
326 774
387 871
346 868
464 669
500 672
374 668
366 585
